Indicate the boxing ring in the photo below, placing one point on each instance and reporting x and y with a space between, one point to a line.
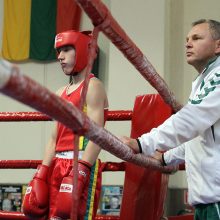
32 164
129 169
15 85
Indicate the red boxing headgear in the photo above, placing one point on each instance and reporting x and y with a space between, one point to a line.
80 41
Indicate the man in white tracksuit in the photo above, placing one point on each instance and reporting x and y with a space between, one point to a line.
200 118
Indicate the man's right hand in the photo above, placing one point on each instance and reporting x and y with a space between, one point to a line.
132 143
36 199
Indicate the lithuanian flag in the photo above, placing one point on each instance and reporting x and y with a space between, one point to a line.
30 27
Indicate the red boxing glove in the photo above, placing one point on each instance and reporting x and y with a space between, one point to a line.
66 189
36 199
83 185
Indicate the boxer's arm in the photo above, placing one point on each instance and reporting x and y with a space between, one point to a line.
96 101
50 146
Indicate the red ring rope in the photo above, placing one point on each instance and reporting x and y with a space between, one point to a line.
91 58
28 164
19 164
16 85
18 215
12 215
101 17
116 115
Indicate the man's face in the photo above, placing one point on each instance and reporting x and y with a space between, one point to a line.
114 203
200 46
66 56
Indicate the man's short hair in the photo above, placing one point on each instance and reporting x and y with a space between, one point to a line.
213 25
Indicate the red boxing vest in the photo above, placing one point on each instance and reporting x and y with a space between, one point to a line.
65 136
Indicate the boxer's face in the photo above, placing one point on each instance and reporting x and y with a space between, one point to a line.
200 46
66 56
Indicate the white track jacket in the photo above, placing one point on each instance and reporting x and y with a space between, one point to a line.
200 118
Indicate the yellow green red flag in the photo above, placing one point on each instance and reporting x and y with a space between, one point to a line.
30 26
